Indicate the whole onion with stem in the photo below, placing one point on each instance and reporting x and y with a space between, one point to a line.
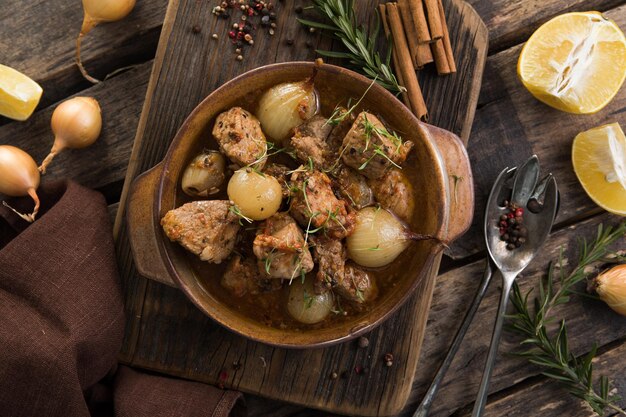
19 177
76 123
96 12
379 237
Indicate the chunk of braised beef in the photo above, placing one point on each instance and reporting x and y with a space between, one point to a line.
242 277
315 206
205 228
353 188
239 135
281 249
357 286
371 149
394 192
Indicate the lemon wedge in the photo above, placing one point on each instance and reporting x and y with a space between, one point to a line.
575 62
599 158
19 95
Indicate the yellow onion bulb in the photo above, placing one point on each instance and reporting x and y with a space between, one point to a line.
305 305
98 11
204 175
379 237
19 177
76 123
257 195
611 287
286 106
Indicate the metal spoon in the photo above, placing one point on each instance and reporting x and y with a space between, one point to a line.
501 189
512 262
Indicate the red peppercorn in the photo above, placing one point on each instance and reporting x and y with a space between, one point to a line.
231 34
519 212
503 223
510 215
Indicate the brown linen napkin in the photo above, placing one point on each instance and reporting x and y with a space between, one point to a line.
62 322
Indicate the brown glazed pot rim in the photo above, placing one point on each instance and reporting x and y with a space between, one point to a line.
316 337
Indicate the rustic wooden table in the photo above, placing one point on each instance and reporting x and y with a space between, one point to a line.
38 38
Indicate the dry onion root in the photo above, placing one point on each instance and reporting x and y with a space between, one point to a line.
76 124
19 177
96 12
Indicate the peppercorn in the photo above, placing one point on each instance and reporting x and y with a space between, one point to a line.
239 58
247 37
363 342
273 16
534 206
289 42
388 358
512 221
265 20
298 9
214 36
333 375
510 246
311 30
195 29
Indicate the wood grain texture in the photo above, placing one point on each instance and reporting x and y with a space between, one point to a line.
166 333
39 37
588 321
512 21
548 397
120 100
511 125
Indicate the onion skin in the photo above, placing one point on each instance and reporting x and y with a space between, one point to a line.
285 106
378 238
611 287
257 195
99 11
76 123
204 175
19 177
307 307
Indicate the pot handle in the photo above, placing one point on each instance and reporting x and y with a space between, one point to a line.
460 180
143 227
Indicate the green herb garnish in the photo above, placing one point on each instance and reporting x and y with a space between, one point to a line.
551 351
361 48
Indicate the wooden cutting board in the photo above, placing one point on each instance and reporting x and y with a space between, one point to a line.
165 332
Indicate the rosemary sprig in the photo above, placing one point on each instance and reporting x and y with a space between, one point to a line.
551 352
361 47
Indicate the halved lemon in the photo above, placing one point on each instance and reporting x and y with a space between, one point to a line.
575 62
19 95
599 158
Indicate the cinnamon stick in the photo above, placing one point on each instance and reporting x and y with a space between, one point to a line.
441 60
424 55
418 106
419 19
434 20
383 17
446 38
410 31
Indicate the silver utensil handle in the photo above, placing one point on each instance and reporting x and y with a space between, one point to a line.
424 407
481 399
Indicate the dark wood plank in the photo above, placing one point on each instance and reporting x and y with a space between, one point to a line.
511 125
512 21
551 398
105 162
173 336
588 321
39 37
